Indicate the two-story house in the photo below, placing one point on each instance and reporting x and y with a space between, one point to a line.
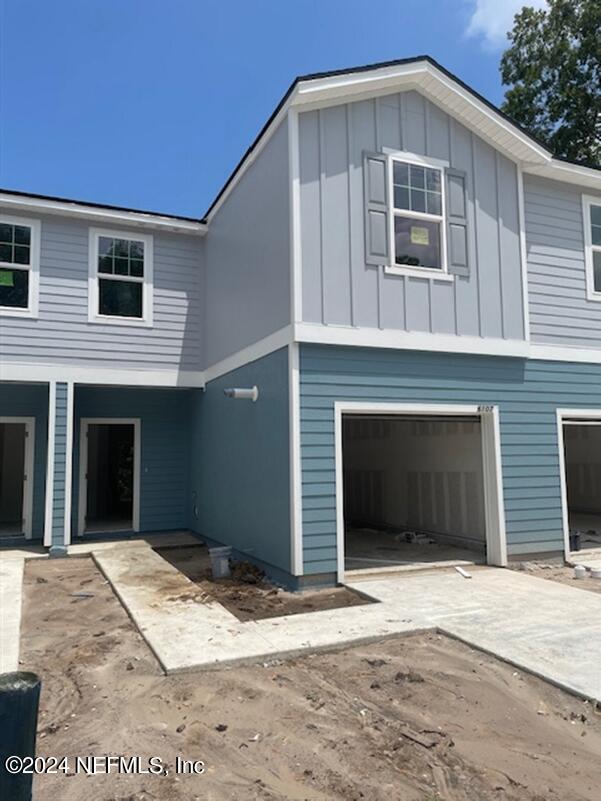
411 282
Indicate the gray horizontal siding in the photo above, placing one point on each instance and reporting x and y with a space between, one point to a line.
60 465
248 256
560 313
527 393
62 332
340 288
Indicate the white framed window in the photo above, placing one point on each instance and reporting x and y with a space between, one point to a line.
120 282
19 266
417 198
591 207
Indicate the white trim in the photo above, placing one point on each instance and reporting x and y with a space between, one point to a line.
33 268
50 463
83 458
354 336
90 374
94 277
437 86
408 340
279 339
429 273
69 461
589 248
496 540
583 416
557 170
433 273
29 466
91 213
296 512
296 273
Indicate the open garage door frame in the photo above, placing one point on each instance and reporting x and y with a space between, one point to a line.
496 545
567 417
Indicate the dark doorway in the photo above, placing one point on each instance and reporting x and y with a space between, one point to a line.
12 475
110 477
582 441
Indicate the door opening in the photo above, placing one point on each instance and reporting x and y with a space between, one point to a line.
582 472
16 469
110 476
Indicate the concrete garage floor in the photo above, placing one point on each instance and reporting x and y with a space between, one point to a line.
524 620
368 549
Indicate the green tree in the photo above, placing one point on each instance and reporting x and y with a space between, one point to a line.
553 70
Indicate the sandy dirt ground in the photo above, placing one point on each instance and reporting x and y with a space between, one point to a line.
565 575
253 601
408 719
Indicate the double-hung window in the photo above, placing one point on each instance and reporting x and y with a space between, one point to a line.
592 242
417 197
19 266
120 280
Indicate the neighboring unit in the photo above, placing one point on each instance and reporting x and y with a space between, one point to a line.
412 283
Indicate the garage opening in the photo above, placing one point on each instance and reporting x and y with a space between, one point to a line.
413 490
109 478
582 446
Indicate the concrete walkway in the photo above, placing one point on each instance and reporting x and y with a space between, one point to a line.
11 591
549 629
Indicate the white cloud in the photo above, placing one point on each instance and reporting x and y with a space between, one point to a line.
491 19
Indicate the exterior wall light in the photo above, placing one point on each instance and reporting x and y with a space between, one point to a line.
243 394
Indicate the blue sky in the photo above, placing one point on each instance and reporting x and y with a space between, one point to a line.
150 103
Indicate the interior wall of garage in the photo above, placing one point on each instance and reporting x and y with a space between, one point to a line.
422 474
583 467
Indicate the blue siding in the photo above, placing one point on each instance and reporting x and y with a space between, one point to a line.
165 424
241 465
60 465
31 400
527 393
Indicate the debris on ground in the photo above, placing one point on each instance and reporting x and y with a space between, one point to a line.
469 731
247 593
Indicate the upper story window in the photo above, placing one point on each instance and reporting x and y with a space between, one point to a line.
592 242
19 266
416 216
120 280
417 206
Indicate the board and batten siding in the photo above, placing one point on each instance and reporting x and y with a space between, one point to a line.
62 332
164 453
339 288
528 394
247 251
560 312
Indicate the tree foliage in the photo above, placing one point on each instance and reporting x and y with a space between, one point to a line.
553 70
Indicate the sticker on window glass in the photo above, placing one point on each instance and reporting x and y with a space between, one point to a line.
419 236
6 278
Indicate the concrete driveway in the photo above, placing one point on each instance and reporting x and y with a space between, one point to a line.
549 629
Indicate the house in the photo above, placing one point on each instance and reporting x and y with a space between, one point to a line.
411 282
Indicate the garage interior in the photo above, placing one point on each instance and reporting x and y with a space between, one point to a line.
582 443
413 490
